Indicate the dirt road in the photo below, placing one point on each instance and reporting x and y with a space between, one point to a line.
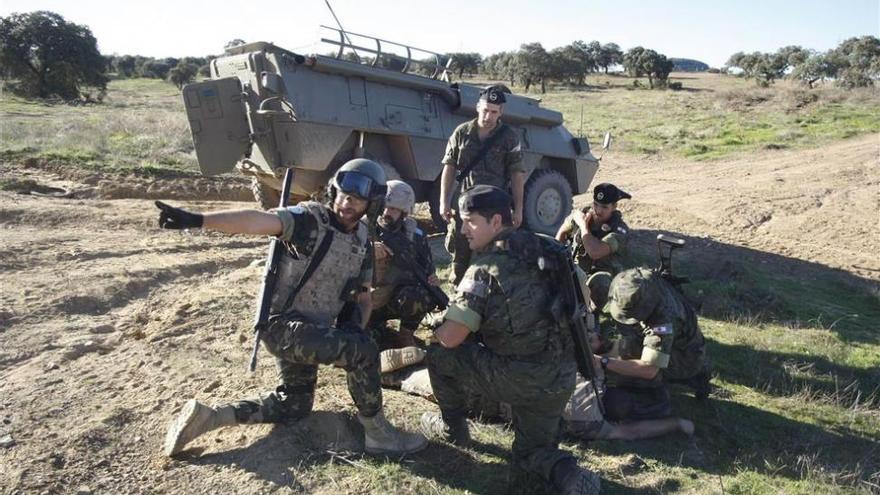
108 324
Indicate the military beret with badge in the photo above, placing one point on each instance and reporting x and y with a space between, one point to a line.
484 197
493 94
606 193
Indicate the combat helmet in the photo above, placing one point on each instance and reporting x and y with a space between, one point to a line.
362 178
400 195
633 296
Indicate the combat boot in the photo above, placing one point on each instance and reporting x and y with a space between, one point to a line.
454 430
381 437
195 419
395 359
580 481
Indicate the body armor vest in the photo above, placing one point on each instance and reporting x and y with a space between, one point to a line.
321 298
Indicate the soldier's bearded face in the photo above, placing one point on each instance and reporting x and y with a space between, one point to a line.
603 212
479 230
349 208
488 114
391 215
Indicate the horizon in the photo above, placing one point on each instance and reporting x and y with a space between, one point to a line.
681 29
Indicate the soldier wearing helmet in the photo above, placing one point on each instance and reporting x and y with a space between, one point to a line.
660 343
397 294
327 261
500 164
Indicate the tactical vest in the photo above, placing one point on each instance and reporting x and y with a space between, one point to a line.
521 323
321 298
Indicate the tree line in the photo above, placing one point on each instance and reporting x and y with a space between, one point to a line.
532 64
43 55
852 64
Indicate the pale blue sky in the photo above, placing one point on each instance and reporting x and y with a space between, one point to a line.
704 30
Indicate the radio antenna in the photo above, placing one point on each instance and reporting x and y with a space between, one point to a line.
342 30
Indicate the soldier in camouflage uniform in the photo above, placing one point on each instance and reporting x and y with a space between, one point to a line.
327 256
397 294
660 343
500 166
525 358
598 234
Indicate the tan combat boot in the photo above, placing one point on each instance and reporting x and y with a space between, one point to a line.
195 419
381 437
395 359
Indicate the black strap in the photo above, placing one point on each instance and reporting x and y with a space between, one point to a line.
462 174
317 256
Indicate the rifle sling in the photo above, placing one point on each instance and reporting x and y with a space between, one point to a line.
484 148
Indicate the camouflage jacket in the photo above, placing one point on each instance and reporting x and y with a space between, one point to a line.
670 338
614 233
496 167
507 299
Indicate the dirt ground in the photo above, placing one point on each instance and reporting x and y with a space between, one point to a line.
109 324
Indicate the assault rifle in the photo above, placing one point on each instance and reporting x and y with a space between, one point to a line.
404 257
270 276
558 261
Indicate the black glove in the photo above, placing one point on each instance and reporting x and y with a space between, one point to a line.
178 218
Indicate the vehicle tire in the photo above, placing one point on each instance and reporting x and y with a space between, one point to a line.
547 201
264 195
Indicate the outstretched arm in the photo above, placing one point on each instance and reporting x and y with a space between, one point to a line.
253 222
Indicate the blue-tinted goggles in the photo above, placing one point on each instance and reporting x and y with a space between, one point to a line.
356 184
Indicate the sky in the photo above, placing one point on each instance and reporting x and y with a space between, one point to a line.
709 31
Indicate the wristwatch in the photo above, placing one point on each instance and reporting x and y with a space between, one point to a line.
604 361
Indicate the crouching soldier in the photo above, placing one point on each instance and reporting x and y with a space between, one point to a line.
660 343
402 256
525 358
327 252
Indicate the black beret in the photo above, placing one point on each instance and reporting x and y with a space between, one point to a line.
493 94
484 197
606 194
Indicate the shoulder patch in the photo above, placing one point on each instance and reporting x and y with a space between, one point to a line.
471 286
662 329
621 229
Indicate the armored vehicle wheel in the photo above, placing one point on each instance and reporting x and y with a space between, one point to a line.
547 201
265 195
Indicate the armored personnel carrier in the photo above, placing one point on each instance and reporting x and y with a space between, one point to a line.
266 109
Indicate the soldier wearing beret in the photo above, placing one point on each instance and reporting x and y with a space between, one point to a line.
598 233
660 343
525 358
500 165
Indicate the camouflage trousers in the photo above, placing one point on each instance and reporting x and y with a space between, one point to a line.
457 245
299 346
408 303
536 391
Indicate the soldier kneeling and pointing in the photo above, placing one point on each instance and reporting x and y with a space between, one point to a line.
327 253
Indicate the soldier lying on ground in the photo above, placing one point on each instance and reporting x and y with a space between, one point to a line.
525 358
397 294
327 256
597 233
